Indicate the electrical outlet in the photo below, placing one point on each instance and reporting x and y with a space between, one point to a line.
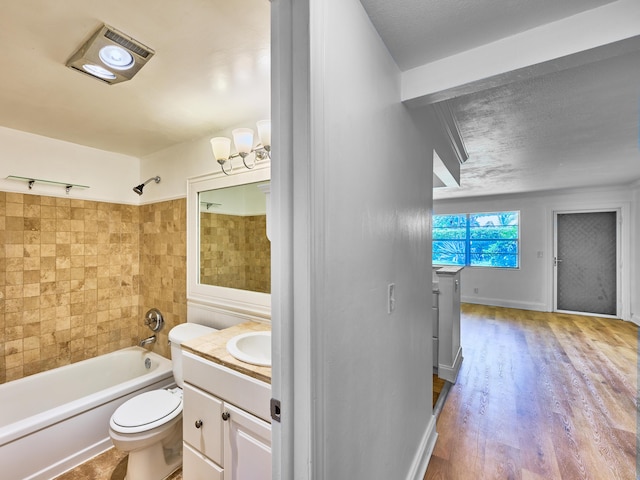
391 298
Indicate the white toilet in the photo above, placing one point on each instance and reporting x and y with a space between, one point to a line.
149 426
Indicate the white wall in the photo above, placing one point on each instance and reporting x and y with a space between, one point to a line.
110 176
530 287
361 200
635 253
180 162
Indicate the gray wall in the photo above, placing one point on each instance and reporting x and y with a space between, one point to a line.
360 202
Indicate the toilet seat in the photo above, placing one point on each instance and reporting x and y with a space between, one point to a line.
146 411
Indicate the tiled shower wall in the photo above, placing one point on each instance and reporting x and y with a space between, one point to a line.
163 266
77 276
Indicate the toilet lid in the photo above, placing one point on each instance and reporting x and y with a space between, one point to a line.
147 410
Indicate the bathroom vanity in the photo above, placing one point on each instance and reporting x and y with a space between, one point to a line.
226 412
447 322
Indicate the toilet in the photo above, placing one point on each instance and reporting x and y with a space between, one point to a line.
149 426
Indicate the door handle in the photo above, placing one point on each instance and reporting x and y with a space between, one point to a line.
556 261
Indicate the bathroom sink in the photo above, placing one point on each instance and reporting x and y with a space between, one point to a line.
253 347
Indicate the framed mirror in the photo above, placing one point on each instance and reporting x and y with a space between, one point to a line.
228 251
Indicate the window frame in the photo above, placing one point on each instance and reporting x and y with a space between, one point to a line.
468 240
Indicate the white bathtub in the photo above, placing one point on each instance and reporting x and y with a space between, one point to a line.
54 420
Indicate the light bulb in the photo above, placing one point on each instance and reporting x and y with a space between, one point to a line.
243 140
264 133
221 147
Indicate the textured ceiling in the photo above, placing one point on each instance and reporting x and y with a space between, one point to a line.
574 128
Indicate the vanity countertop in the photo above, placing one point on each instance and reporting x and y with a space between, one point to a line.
213 347
448 270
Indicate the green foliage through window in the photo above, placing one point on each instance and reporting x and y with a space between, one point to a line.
477 239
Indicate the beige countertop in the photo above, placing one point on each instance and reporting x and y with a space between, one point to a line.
213 347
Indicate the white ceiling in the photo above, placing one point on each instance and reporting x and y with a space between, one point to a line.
421 31
572 128
211 70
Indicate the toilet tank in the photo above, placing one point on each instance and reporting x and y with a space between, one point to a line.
177 335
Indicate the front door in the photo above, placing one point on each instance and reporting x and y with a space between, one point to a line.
585 262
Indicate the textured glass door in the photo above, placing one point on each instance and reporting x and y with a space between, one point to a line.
585 262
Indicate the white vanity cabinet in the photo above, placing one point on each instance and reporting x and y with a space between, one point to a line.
247 446
227 435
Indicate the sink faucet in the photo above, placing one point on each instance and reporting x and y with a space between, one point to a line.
147 341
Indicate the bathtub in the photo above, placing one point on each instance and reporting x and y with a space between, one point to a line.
55 420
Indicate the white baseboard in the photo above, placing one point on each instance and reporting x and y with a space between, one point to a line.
635 318
450 372
73 460
499 302
423 455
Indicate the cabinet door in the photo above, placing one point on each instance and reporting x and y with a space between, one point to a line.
195 466
247 447
202 422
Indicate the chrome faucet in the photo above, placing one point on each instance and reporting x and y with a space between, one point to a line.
147 341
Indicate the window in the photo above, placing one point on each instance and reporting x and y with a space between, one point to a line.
477 239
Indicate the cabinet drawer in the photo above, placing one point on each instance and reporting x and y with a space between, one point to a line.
229 385
202 409
196 466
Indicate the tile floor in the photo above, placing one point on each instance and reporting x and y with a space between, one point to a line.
110 465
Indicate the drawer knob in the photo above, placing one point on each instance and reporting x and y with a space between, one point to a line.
225 416
198 423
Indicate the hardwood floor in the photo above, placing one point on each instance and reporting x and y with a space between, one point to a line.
438 384
540 395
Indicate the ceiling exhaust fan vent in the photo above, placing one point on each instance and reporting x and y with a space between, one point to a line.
126 43
110 56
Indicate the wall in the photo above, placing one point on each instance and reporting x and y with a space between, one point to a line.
175 165
530 287
110 176
635 252
69 277
77 275
163 266
357 189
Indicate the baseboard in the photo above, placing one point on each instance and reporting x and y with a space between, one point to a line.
73 460
423 455
499 302
636 319
450 372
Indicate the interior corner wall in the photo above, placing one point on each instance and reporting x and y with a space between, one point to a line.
530 286
370 207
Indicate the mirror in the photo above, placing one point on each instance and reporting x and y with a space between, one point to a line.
228 252
234 249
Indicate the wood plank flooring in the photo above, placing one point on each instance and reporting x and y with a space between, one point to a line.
540 395
438 384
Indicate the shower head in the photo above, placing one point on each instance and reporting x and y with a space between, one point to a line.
138 189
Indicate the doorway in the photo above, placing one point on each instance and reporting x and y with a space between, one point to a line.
586 262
